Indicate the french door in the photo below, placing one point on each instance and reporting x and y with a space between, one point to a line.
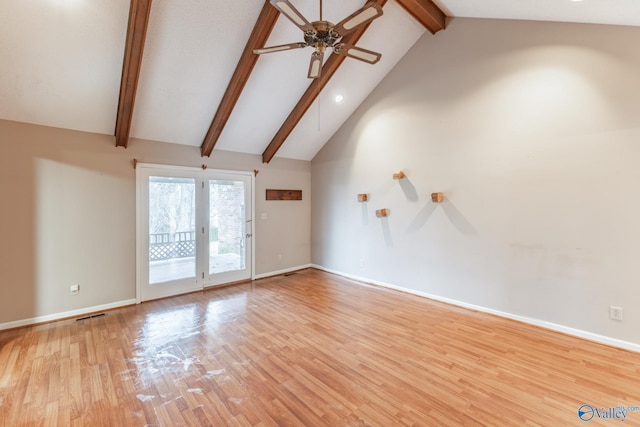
194 229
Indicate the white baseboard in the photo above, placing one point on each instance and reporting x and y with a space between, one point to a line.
279 272
602 339
65 315
83 311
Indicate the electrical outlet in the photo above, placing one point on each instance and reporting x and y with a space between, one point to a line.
615 313
74 289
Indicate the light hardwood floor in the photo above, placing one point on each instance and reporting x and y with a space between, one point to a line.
308 349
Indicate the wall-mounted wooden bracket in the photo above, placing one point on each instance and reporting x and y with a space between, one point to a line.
204 167
135 163
399 175
363 198
437 197
382 213
256 172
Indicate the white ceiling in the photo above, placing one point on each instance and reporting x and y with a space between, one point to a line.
614 12
62 62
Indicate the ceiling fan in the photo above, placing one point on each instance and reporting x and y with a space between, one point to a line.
323 34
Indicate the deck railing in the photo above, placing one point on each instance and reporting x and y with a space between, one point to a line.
181 244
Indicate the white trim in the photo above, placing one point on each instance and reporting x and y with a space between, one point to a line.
200 175
602 339
66 314
286 270
162 166
253 226
140 214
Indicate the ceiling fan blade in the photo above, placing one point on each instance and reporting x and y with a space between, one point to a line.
279 48
368 13
292 13
315 66
357 53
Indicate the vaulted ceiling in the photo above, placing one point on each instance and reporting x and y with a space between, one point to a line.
185 72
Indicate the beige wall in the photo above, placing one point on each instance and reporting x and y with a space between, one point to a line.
532 131
68 216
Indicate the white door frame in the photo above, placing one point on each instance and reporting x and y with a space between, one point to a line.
143 171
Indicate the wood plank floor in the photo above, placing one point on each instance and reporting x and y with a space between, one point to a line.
310 349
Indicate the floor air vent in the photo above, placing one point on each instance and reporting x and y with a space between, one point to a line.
91 317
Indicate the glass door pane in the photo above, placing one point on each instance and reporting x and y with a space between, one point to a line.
229 228
169 240
172 229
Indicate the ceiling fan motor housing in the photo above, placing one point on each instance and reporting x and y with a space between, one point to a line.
323 35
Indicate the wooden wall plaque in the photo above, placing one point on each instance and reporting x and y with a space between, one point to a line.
284 194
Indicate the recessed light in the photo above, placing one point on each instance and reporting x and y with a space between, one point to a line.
338 99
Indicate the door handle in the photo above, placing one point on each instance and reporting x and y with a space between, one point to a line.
248 235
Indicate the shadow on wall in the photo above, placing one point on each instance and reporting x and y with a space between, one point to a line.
423 217
365 214
69 220
386 232
458 219
409 190
17 252
454 215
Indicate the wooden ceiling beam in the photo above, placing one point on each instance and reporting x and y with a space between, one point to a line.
328 70
425 12
261 31
139 11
